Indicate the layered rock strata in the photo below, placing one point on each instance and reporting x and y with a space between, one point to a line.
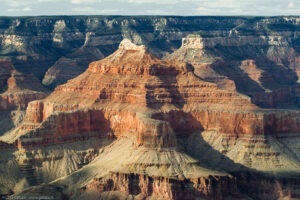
17 90
254 60
212 187
52 47
169 133
51 43
131 76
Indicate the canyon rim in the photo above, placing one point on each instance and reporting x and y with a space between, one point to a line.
150 107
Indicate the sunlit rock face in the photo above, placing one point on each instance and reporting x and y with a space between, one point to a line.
17 89
257 59
58 48
135 126
161 132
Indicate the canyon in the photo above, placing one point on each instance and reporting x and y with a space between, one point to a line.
150 107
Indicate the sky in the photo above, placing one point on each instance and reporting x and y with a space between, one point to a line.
149 7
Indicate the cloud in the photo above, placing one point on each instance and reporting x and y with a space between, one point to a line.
152 1
291 5
85 1
206 11
26 9
111 11
13 10
84 9
158 12
47 1
245 7
95 10
22 3
151 7
16 3
219 7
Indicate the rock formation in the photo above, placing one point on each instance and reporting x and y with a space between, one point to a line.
133 126
251 58
17 90
164 132
46 44
71 65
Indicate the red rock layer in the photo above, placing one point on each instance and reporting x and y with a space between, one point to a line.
160 129
103 123
135 77
131 80
211 187
18 89
159 104
122 93
20 100
236 123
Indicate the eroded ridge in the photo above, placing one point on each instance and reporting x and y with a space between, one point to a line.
162 132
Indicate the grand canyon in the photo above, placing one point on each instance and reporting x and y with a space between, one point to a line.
150 107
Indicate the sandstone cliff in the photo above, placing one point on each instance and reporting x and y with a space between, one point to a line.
46 44
191 125
16 91
161 131
255 58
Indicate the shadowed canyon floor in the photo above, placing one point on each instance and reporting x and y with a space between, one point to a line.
201 123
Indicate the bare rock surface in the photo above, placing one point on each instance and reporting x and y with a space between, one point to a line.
135 126
263 65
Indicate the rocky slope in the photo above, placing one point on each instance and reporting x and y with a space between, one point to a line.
258 59
159 131
52 47
17 90
59 48
193 125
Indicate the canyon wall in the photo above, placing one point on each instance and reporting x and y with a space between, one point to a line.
193 125
256 58
59 48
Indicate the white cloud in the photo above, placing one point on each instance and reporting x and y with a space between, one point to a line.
13 10
110 11
85 1
16 3
206 11
219 6
152 1
46 1
92 10
291 5
158 12
152 7
246 7
26 9
23 3
84 9
167 2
